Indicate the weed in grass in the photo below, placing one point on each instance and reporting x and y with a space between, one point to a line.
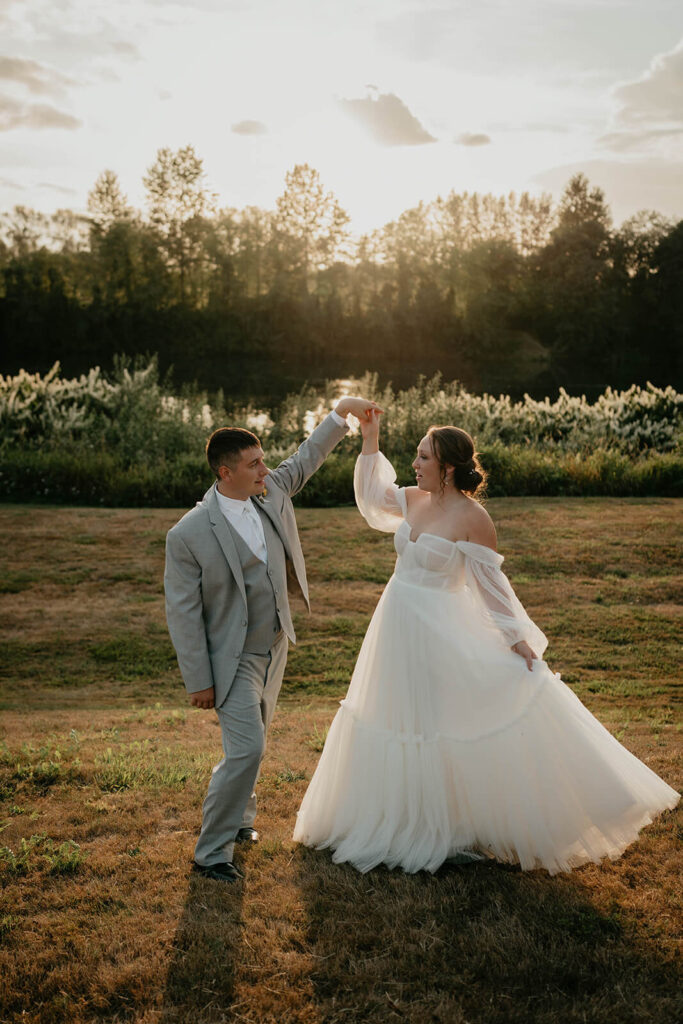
111 733
42 775
41 768
64 859
16 863
316 740
285 777
176 717
268 849
7 923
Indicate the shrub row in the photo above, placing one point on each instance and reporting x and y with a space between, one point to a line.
100 478
132 413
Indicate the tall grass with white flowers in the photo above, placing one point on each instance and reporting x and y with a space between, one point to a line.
126 439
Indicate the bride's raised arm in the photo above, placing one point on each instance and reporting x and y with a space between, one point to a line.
381 503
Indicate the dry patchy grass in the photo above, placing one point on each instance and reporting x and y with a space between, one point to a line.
103 768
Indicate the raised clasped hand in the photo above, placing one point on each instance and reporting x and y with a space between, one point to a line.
369 426
361 408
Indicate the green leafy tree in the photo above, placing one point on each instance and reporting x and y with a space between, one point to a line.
310 226
179 202
576 292
253 260
107 203
24 231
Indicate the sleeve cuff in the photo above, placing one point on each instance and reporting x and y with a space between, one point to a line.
339 420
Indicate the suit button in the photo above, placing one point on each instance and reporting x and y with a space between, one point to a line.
238 654
270 572
244 622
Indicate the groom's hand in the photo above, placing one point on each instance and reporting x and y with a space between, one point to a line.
361 408
203 698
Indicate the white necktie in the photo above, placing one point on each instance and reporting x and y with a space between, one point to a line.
253 533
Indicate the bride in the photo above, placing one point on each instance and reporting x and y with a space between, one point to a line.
455 740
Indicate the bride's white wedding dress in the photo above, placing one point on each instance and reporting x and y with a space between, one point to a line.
446 744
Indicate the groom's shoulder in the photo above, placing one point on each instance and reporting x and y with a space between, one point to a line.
196 518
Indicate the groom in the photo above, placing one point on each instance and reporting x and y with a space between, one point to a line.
230 563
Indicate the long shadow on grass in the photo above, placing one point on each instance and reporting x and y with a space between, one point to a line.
206 948
481 944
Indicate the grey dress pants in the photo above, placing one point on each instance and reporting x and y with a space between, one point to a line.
244 717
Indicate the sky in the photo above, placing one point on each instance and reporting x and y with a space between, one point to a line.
391 101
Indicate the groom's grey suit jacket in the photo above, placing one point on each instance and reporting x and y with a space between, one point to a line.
206 601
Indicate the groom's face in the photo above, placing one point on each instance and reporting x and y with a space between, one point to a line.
246 477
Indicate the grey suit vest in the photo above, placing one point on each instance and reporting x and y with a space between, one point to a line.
263 620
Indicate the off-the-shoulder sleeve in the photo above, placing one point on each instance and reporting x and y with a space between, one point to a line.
381 503
492 590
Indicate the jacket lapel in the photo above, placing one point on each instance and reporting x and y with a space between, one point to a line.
267 507
294 562
225 539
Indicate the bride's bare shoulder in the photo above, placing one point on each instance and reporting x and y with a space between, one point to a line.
480 528
413 495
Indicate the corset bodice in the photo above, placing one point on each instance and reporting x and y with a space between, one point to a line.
430 561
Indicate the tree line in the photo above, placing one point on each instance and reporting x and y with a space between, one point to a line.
514 293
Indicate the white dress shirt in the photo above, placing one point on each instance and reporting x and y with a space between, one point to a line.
244 518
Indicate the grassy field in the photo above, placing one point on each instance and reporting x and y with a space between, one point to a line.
103 768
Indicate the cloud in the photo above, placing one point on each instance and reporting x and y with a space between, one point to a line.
249 128
15 114
36 77
649 114
8 183
473 139
57 188
75 38
388 120
206 5
629 186
545 126
125 48
88 47
656 97
622 142
552 37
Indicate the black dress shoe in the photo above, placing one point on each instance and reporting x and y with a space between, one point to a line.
223 872
247 835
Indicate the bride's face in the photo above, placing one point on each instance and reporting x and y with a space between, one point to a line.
427 467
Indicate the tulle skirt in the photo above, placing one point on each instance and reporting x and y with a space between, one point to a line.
447 746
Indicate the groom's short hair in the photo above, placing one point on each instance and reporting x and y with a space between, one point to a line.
225 445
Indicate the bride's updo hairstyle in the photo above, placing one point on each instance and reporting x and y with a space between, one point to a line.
454 447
